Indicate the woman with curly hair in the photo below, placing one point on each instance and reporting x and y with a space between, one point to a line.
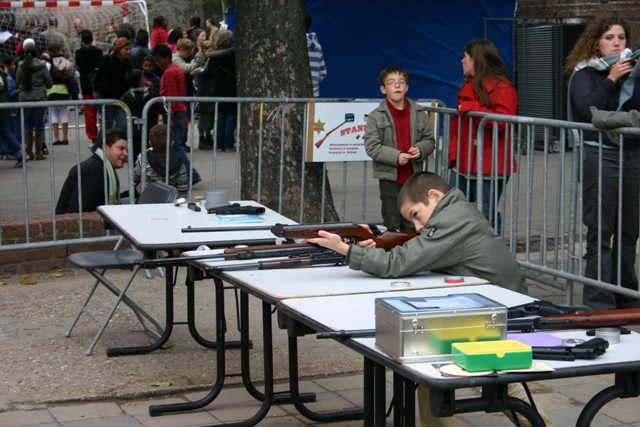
601 80
486 88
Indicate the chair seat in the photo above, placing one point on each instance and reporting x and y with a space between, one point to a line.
106 259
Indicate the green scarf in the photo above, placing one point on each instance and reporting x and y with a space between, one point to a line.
112 180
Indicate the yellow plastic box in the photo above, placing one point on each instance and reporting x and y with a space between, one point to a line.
491 355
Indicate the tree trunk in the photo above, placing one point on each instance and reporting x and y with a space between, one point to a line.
272 62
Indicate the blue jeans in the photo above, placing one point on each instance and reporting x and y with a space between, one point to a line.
469 188
34 119
8 142
224 134
114 117
178 146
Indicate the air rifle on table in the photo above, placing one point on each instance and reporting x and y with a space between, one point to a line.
235 254
587 320
353 232
299 254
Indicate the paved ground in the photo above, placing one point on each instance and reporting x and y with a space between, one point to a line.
48 380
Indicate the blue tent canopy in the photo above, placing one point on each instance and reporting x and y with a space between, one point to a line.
361 37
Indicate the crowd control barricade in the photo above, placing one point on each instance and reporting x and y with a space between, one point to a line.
351 181
41 180
541 204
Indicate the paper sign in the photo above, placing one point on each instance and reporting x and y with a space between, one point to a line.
335 131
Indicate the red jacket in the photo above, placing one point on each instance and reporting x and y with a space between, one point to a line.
504 100
159 35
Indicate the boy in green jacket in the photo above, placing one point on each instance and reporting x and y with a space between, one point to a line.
455 238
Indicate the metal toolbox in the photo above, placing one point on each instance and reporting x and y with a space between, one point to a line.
422 329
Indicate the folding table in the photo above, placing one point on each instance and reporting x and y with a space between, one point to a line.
159 227
270 287
351 312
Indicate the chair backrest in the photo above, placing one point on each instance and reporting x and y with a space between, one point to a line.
158 192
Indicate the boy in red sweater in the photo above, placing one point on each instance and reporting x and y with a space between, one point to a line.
173 84
398 138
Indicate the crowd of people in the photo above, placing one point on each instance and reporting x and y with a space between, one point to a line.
39 63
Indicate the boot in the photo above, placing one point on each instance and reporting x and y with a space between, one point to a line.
28 140
39 155
205 143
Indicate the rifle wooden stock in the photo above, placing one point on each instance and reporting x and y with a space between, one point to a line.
386 240
587 320
231 254
595 319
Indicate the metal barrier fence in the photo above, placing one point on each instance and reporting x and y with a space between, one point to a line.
541 205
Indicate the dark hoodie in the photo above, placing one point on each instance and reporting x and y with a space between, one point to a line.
155 171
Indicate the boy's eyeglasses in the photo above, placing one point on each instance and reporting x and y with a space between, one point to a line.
393 83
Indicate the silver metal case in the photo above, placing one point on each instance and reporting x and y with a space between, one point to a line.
422 329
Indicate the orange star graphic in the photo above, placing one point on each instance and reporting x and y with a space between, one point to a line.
319 126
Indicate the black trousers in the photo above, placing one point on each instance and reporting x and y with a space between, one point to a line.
606 199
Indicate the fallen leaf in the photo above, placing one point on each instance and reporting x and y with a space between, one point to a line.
29 281
2 283
58 275
162 384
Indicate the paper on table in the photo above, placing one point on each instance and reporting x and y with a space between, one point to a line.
536 339
456 371
238 218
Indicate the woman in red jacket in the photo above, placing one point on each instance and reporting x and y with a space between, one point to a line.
486 88
159 34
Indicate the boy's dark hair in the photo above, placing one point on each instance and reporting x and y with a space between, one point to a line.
418 185
158 20
7 60
174 35
142 37
86 36
123 32
194 21
132 78
115 134
161 50
53 48
158 137
390 70
149 59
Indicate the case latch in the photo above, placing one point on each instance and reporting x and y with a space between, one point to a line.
491 324
417 329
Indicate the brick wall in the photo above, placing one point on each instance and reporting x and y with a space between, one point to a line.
628 9
41 230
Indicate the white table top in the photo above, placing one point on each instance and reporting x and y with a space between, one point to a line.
159 226
276 284
353 312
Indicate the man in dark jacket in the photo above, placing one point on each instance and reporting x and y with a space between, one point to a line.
140 49
87 60
94 172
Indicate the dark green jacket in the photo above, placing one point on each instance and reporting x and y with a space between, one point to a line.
457 240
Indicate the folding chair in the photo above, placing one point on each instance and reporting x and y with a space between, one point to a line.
98 262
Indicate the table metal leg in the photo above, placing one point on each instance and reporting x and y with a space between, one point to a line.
127 351
627 384
297 399
380 395
220 337
191 314
404 401
495 398
368 394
